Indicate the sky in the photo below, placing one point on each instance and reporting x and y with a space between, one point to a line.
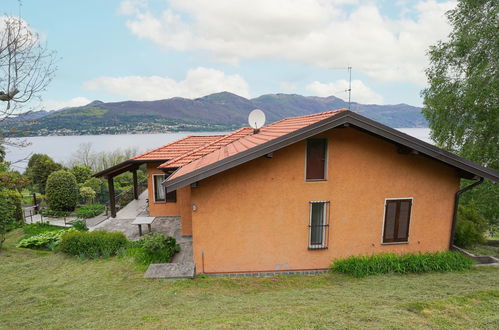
113 50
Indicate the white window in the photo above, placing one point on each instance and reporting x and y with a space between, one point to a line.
318 225
159 190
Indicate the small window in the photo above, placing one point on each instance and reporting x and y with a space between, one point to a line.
159 190
397 219
316 159
318 225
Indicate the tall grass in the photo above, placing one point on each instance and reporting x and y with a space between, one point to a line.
361 266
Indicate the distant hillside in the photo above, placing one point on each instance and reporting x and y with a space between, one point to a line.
215 112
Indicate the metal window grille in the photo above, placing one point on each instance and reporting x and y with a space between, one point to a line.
318 226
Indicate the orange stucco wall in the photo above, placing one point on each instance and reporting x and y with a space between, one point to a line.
255 217
181 208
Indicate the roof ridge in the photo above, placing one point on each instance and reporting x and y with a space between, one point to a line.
310 115
174 160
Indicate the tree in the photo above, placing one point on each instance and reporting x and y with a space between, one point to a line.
81 172
41 167
62 191
462 100
26 66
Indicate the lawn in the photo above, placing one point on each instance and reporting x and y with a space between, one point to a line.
50 290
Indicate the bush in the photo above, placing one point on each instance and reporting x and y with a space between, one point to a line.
88 194
470 227
10 206
62 191
90 211
38 228
10 212
154 248
360 266
46 240
80 225
94 244
55 214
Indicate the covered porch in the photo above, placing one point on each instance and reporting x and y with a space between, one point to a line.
138 190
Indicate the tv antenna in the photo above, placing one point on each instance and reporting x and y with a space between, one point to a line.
349 90
256 119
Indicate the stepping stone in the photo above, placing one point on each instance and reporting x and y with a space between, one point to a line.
171 270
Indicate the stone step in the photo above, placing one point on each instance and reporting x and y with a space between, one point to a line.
171 270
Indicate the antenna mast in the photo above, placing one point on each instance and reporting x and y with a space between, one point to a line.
349 90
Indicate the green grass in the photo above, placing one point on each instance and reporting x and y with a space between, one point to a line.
50 290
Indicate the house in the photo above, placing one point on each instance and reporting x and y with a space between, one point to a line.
302 191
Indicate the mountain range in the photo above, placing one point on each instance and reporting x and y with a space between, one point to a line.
219 111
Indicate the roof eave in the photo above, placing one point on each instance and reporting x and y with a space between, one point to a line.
346 117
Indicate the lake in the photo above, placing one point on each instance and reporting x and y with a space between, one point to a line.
60 148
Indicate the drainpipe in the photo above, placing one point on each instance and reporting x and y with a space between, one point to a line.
456 203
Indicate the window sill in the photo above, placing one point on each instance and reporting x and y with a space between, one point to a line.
394 243
159 202
315 180
317 247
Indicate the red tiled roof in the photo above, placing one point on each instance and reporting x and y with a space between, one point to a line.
177 148
205 149
248 141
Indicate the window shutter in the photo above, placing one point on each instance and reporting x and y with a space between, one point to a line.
397 219
316 159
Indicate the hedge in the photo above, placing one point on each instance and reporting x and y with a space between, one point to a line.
360 266
94 244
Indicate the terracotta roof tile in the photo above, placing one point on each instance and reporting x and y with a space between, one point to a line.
177 148
249 140
206 148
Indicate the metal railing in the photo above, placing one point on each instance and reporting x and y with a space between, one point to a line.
126 196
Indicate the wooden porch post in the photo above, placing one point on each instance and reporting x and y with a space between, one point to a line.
112 199
135 185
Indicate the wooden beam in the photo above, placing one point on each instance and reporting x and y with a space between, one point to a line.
135 184
112 197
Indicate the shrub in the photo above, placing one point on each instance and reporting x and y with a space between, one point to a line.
11 205
55 214
62 191
94 244
46 240
38 228
90 211
360 266
88 194
80 225
154 248
10 212
470 227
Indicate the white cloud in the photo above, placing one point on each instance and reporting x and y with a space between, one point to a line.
287 86
58 104
198 82
360 92
317 32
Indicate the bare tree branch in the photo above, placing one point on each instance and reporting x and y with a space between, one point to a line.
26 66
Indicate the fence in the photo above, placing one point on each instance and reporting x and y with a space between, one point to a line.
126 196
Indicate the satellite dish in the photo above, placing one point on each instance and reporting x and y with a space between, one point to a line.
256 119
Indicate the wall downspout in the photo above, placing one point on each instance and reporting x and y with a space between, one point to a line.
456 204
